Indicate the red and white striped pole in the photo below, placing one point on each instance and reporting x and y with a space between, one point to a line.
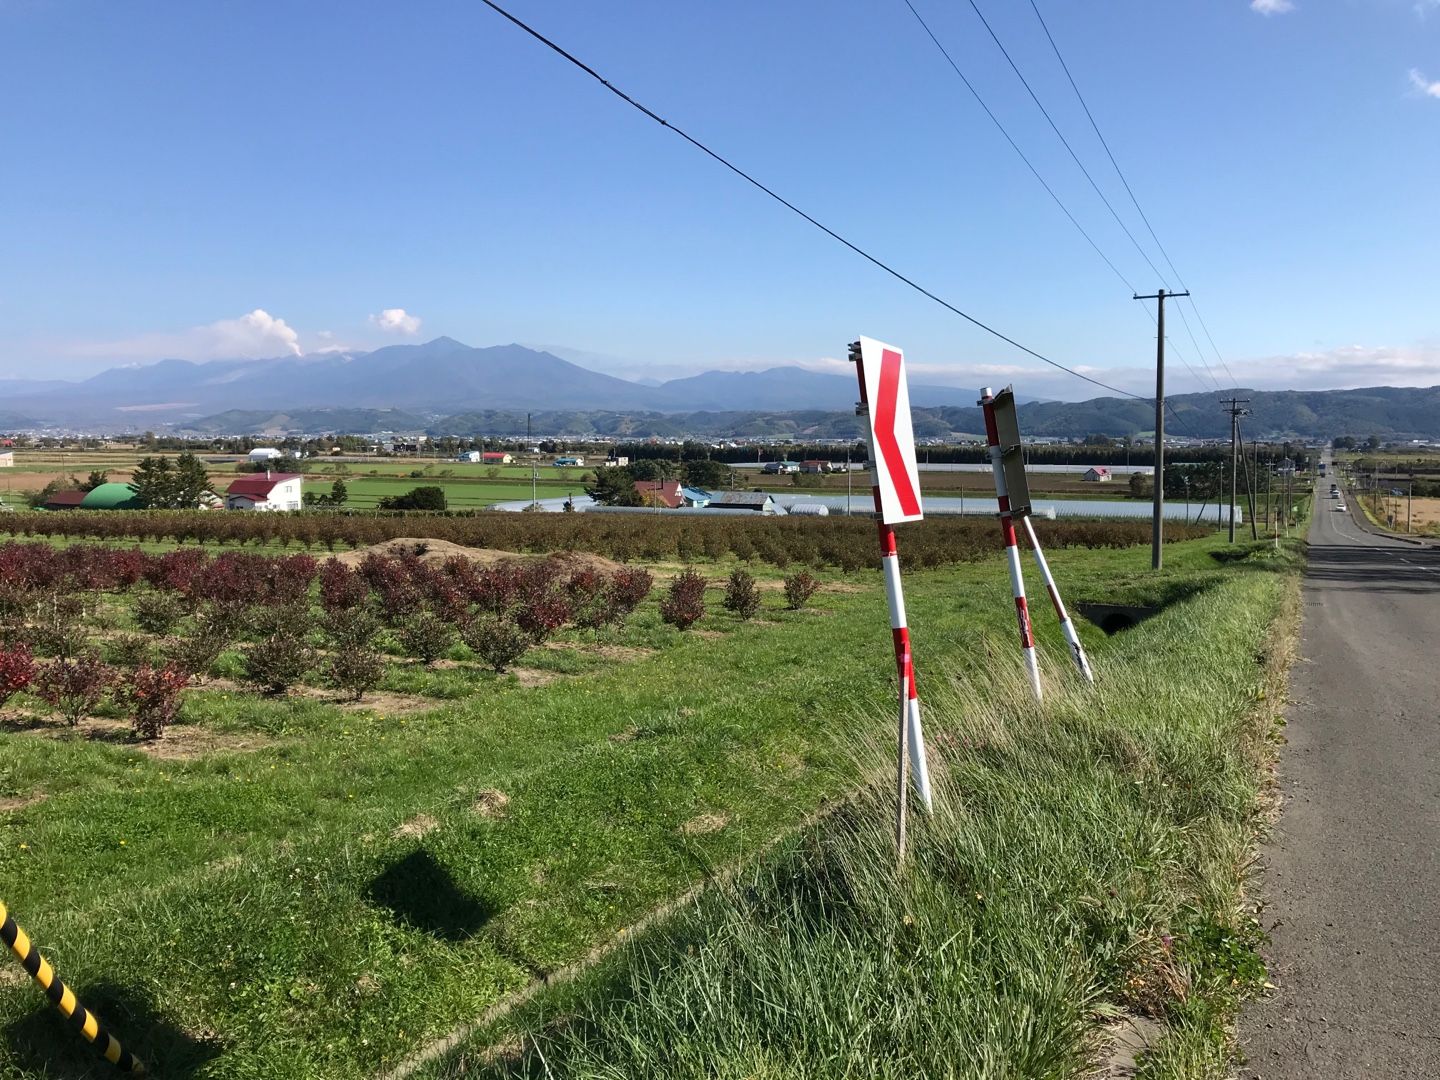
904 665
1012 551
894 593
1077 650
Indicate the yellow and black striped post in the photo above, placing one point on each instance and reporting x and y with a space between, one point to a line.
61 996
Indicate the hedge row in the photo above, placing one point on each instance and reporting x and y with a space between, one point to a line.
847 543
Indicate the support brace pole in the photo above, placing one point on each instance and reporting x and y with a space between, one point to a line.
1077 650
63 998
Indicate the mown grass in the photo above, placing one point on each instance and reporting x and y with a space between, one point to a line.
1085 859
269 913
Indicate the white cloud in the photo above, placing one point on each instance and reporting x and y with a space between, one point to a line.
1272 7
253 336
396 320
1423 86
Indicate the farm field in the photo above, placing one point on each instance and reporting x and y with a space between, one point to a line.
296 885
470 486
365 492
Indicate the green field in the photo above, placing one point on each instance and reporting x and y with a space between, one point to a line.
365 492
311 891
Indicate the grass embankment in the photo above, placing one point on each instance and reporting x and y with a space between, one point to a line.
346 887
1085 860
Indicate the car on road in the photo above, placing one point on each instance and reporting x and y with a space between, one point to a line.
1340 506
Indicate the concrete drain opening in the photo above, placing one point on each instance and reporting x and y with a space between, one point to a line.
1112 618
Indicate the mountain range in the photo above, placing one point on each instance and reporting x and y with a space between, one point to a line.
438 378
446 387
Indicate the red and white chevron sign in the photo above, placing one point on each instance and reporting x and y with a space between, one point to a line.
892 439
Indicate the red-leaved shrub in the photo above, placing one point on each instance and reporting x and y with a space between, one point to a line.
151 695
17 670
75 686
684 604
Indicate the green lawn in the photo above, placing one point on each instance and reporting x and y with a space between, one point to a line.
342 889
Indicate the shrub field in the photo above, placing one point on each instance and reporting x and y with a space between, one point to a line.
845 543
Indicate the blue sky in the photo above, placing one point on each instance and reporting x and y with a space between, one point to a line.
251 179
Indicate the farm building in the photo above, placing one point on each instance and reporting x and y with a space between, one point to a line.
660 493
569 461
815 467
111 497
7 459
65 500
690 496
756 501
497 457
471 456
265 453
1098 474
272 491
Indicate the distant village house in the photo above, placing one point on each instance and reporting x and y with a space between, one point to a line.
272 491
1097 474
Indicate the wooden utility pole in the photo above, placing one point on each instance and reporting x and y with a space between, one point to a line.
1157 529
1235 412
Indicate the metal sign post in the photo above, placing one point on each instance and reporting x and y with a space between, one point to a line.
885 404
1008 464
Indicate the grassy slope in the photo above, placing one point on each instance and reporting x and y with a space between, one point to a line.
1086 856
253 914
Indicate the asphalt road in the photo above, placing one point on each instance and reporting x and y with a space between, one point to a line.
1352 872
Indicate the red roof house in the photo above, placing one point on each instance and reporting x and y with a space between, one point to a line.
660 493
265 491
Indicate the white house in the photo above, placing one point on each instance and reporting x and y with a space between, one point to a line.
267 491
7 459
472 456
265 453
1097 474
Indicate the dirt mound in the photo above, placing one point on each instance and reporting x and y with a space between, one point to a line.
437 551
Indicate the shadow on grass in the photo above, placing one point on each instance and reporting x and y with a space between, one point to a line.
420 893
44 1043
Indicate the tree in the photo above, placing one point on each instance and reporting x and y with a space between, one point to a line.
1372 443
339 493
419 498
613 485
705 474
94 480
163 484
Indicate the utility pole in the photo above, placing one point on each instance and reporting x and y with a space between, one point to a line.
1157 529
1235 412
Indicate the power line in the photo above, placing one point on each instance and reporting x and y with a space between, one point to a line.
795 209
1043 183
1199 352
1060 135
1015 146
1130 191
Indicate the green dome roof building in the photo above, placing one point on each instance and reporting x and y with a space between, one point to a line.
111 497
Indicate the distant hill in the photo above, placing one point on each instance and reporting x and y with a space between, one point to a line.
785 388
446 385
256 422
439 378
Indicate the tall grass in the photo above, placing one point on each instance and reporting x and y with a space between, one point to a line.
1084 859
